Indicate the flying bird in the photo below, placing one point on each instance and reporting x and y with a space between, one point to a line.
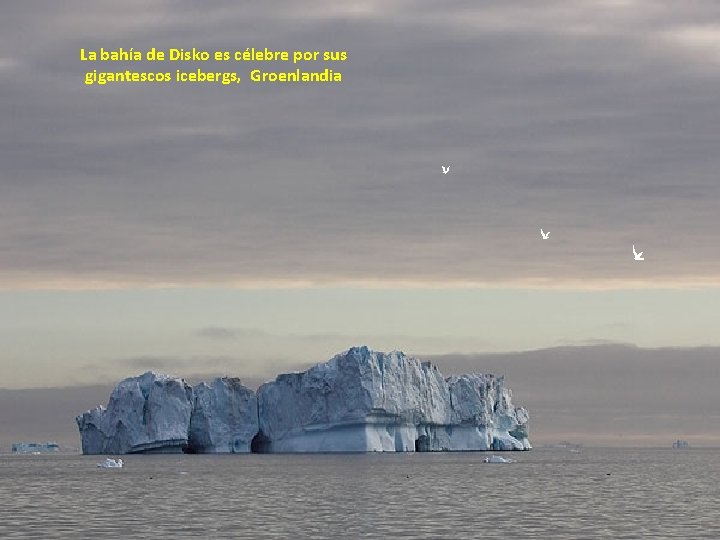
638 256
445 169
545 235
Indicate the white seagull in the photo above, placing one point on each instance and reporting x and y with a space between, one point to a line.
544 234
445 169
638 256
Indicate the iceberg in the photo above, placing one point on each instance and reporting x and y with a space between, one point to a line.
367 401
146 414
224 419
34 448
359 401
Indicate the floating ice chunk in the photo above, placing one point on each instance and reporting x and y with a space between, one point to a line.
498 459
111 463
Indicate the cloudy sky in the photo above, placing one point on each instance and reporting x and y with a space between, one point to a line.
255 228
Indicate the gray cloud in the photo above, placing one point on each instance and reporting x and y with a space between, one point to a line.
197 368
609 394
223 333
603 394
179 365
47 414
149 362
339 341
596 120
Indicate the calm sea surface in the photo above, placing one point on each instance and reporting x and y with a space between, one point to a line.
599 493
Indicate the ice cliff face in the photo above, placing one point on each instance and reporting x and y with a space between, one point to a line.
149 413
363 401
224 418
359 401
161 414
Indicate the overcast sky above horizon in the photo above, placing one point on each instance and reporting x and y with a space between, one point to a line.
249 229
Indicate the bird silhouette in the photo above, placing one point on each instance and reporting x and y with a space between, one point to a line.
638 256
545 235
445 169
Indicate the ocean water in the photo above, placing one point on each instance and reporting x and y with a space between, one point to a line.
549 494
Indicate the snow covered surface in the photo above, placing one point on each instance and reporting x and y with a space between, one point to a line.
359 401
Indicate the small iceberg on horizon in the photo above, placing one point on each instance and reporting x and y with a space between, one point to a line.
498 459
110 463
34 449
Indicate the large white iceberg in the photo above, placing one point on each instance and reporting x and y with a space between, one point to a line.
359 401
366 401
149 413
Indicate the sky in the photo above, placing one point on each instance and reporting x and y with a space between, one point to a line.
252 229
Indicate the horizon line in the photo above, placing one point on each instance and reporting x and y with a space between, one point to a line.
535 283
